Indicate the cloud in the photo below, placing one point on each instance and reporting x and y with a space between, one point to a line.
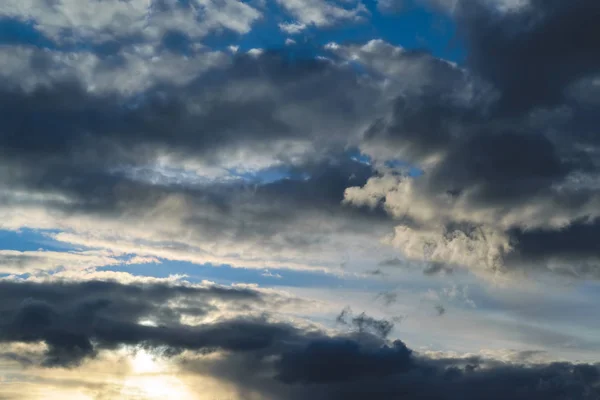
323 13
364 323
481 176
351 368
128 71
75 320
292 28
527 78
467 167
134 139
167 158
334 360
23 262
440 309
113 20
79 321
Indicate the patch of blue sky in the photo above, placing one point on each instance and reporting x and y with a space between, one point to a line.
418 28
415 28
227 275
31 240
412 170
356 155
17 32
163 175
268 175
265 33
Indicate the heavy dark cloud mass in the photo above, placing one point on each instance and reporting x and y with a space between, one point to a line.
505 144
276 360
507 148
77 319
533 55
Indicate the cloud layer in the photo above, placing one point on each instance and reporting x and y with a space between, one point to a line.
298 143
270 359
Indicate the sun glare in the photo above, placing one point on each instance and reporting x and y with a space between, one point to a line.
150 378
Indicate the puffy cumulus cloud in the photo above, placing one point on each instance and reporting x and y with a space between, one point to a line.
67 21
84 326
292 28
498 159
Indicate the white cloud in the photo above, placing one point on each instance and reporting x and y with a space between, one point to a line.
96 21
484 250
322 12
292 28
140 68
23 262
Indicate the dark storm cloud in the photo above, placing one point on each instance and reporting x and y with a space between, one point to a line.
514 129
573 248
501 167
428 121
532 55
333 360
362 366
275 360
237 104
61 139
77 319
577 239
341 368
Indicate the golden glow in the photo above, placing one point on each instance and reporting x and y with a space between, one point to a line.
123 374
150 378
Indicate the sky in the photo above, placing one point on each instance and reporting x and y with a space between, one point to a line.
292 199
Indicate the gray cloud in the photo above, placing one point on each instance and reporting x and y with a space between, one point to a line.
64 21
363 323
275 360
76 320
98 152
499 158
532 55
505 152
